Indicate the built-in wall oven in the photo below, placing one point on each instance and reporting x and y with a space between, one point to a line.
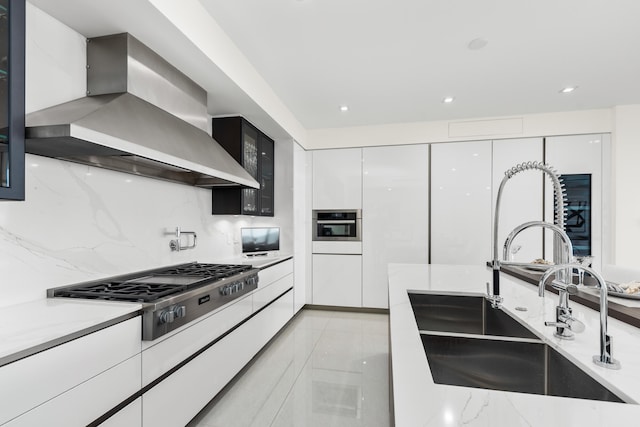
337 225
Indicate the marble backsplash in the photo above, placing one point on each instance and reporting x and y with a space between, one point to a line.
80 223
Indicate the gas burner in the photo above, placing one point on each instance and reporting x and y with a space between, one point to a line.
214 271
123 291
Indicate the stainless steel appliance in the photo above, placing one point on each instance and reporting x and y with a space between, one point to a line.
141 115
337 225
171 297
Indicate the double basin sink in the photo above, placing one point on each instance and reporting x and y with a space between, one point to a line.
469 343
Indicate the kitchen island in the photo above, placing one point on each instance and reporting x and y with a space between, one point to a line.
418 401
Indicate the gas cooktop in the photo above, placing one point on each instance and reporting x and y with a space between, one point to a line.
152 285
171 297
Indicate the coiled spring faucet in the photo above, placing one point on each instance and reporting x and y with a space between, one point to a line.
559 220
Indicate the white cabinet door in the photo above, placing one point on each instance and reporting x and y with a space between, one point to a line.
521 199
579 154
461 202
337 179
337 280
395 220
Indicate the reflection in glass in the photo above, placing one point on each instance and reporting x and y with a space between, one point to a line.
578 225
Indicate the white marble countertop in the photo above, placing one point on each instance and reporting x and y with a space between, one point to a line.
418 401
34 326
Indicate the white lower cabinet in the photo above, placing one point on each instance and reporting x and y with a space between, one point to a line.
272 282
179 397
74 383
129 416
337 280
160 356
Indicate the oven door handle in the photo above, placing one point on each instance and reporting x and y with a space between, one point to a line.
336 221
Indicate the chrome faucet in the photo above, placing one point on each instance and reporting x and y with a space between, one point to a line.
559 196
565 323
604 359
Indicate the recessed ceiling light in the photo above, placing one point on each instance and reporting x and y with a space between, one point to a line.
344 108
448 99
477 44
568 89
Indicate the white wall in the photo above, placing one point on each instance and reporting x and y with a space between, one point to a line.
79 222
530 125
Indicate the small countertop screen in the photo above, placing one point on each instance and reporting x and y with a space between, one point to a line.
260 239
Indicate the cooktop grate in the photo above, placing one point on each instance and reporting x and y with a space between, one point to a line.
123 291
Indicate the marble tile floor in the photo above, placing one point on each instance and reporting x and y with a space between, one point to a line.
326 368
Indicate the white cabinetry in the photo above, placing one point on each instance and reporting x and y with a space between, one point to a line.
179 397
160 356
273 282
395 220
337 280
461 203
129 416
521 199
337 179
73 383
580 154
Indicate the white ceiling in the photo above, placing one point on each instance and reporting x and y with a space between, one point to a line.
393 61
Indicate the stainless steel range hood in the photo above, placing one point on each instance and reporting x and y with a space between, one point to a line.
141 116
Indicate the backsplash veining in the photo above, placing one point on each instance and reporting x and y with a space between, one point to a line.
78 223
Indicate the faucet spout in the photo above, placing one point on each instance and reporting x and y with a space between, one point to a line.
560 201
604 359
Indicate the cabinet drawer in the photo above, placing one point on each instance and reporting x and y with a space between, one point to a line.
129 416
29 382
178 398
265 295
166 354
85 403
275 272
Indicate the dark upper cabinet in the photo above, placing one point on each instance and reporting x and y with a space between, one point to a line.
12 23
254 151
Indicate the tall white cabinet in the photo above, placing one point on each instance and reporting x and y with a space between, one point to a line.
461 202
395 220
337 266
521 199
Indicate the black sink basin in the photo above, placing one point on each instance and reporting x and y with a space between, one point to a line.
519 365
469 314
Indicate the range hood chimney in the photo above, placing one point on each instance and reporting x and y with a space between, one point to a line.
141 116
